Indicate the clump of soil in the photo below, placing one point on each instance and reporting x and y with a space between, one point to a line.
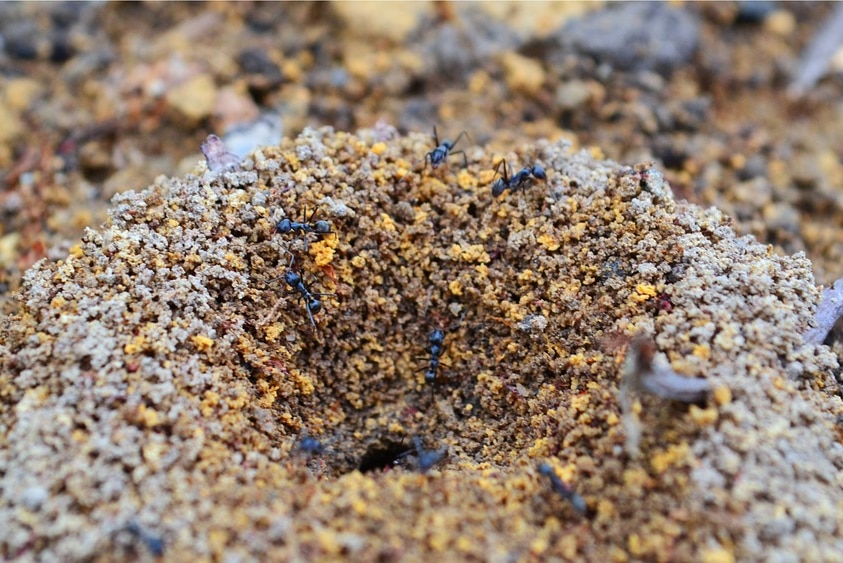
164 391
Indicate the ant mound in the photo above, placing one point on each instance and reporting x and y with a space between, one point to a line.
164 391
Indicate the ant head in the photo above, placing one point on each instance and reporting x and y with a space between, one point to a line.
539 172
322 227
292 278
284 225
437 337
498 187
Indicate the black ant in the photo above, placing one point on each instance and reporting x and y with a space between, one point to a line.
286 225
426 459
154 544
311 303
437 345
440 154
511 181
562 489
310 445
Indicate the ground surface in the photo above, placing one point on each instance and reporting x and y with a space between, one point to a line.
158 381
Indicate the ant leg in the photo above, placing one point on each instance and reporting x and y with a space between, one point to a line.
460 136
289 266
302 236
498 170
464 159
310 314
435 136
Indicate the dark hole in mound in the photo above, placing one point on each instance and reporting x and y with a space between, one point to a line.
383 455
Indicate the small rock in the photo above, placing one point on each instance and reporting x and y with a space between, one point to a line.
572 95
192 101
21 41
805 171
61 49
452 51
522 74
754 11
534 19
95 156
533 323
10 125
9 249
780 22
128 178
33 497
232 107
381 20
22 92
635 36
261 71
264 131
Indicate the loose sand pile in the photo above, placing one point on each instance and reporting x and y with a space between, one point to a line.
158 383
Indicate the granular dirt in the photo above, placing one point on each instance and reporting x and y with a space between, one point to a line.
158 383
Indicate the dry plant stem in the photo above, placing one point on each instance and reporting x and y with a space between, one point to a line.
661 381
817 56
640 375
667 384
829 311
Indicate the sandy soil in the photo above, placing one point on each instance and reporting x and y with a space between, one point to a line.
166 393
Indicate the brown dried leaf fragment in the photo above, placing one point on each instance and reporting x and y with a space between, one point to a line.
219 158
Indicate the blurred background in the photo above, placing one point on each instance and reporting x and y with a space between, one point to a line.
739 103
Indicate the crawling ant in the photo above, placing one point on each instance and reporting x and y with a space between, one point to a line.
562 489
437 345
511 181
309 445
286 225
444 149
311 303
154 544
426 459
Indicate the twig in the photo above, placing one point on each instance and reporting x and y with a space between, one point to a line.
829 311
641 374
818 54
